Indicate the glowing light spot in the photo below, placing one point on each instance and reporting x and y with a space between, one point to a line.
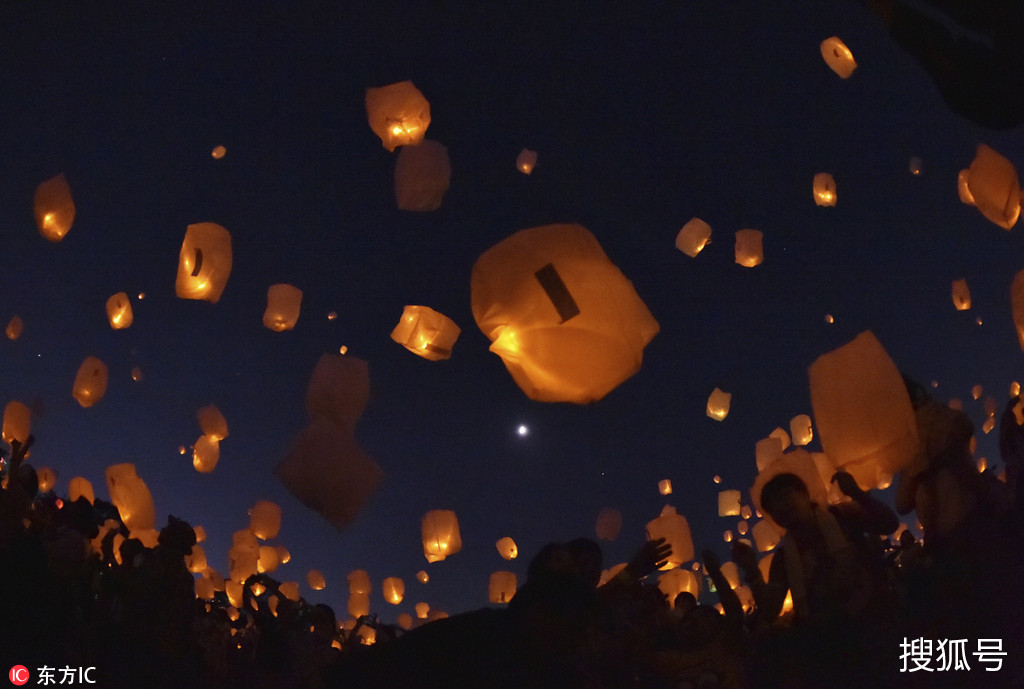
829 318
978 320
332 316
718 479
142 295
343 350
181 449
523 431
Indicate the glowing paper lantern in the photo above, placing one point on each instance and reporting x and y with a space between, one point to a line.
265 519
195 561
204 589
677 581
393 589
398 114
766 536
728 503
268 560
204 264
838 57
961 295
731 572
212 422
14 328
915 166
17 422
526 161
422 576
90 382
507 548
359 582
566 322
993 184
54 208
422 610
358 605
665 486
800 427
862 409
131 497
218 152
283 305
315 579
119 311
80 487
824 189
718 404
200 534
766 451
674 528
243 559
977 391
962 189
502 587
290 590
826 470
441 537
609 523
205 454
283 556
425 332
404 621
749 248
47 479
423 174
798 462
693 237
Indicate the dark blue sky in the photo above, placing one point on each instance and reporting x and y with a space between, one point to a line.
642 118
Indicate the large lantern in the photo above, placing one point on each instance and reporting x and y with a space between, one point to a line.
838 57
398 113
728 503
265 519
766 536
90 382
131 497
674 528
17 422
993 185
204 264
283 305
824 189
694 236
119 311
54 208
502 587
393 589
862 409
749 248
358 605
441 537
423 174
566 322
425 332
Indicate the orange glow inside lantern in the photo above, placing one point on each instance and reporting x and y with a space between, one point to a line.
502 587
315 579
268 560
17 422
425 332
749 248
961 295
119 311
507 548
441 537
422 610
766 536
218 152
54 208
422 576
801 429
131 497
80 487
393 589
838 57
205 454
665 486
47 479
290 590
962 190
993 184
693 237
781 435
204 263
397 113
359 581
212 422
195 561
674 528
283 305
824 189
200 534
728 503
90 382
526 161
358 604
766 451
265 519
718 404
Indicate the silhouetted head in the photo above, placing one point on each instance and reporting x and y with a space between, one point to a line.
587 556
785 498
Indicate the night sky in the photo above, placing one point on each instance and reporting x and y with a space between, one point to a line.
642 117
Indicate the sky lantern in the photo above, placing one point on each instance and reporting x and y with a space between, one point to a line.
862 409
17 422
961 295
728 503
204 264
993 185
47 479
80 487
212 422
718 404
200 533
693 237
425 332
441 537
501 587
526 161
54 208
422 610
782 436
218 152
195 561
824 189
801 429
358 604
766 451
315 579
14 328
609 523
676 581
393 589
283 556
798 462
766 536
283 304
205 454
423 174
119 311
359 581
731 572
242 560
507 548
838 57
290 590
665 486
398 113
674 528
977 391
1017 305
265 519
915 165
404 620
267 560
90 382
749 248
204 589
338 390
962 190
565 321
422 576
130 496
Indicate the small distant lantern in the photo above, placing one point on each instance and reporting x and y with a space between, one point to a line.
728 503
783 437
609 523
745 512
398 113
283 305
358 605
915 166
727 536
665 486
17 422
674 528
977 391
441 537
989 424
267 560
838 57
526 161
212 422
422 610
218 152
315 579
693 237
507 548
425 332
14 328
265 519
502 587
359 581
422 576
766 451
801 429
742 527
766 536
423 174
961 295
1014 389
749 248
993 184
119 311
393 589
824 189
136 374
90 382
47 478
718 404
80 487
205 454
204 263
54 208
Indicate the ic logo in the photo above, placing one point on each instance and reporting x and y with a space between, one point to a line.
18 675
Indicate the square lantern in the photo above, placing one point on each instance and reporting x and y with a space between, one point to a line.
838 57
119 311
693 237
398 113
502 587
824 189
801 429
440 532
993 184
749 248
729 503
665 486
204 263
782 436
426 332
283 305
90 382
718 404
423 174
961 295
526 161
54 208
674 528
